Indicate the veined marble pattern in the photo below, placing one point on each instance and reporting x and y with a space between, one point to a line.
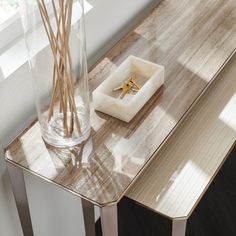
186 164
193 40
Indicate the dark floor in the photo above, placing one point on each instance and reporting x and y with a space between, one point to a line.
214 216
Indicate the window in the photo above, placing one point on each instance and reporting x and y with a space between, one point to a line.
11 37
8 9
10 30
10 24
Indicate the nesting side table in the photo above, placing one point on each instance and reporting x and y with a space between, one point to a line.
188 162
101 171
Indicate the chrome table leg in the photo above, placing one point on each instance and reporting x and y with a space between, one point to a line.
109 220
19 191
179 227
89 218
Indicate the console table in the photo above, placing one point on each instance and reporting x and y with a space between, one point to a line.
193 40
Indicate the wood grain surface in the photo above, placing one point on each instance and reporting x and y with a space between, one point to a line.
184 167
193 40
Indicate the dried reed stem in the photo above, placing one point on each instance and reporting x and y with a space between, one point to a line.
63 74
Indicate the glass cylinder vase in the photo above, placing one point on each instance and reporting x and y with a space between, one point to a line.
55 39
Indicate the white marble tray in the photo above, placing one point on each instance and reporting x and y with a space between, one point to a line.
149 75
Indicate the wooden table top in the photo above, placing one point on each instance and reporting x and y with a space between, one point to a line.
186 164
193 40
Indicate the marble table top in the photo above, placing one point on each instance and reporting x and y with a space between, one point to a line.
193 40
187 163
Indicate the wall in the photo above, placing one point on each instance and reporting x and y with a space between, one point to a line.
54 211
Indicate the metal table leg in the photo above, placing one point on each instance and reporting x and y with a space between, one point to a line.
179 227
89 218
19 191
109 220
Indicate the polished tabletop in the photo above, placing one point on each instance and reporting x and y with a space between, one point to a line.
185 166
193 40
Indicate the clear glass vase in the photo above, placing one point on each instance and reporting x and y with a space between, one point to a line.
55 39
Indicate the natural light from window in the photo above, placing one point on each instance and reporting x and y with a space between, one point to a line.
228 114
11 37
8 8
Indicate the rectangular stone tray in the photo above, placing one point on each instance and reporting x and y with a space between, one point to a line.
149 76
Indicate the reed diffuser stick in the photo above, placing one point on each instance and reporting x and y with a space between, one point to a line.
63 88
